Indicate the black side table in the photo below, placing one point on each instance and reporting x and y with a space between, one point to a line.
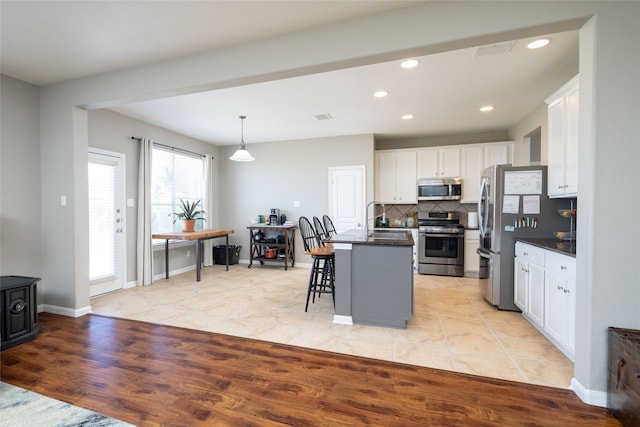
18 310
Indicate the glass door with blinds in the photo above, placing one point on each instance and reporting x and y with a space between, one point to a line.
107 268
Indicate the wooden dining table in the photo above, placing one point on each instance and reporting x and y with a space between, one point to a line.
199 236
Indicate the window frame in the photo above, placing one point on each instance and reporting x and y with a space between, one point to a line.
170 202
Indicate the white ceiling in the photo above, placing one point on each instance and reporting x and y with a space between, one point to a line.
49 42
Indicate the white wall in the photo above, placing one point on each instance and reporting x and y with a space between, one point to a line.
112 131
20 208
518 133
285 172
609 65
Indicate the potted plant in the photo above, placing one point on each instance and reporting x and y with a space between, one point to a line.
188 214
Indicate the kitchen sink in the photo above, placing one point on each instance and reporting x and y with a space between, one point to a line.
388 235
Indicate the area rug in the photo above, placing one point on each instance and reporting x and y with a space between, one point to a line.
20 407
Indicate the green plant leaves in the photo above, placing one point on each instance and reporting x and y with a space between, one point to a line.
188 211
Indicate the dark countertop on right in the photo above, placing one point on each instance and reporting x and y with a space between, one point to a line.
563 247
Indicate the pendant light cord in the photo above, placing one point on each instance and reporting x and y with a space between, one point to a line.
242 131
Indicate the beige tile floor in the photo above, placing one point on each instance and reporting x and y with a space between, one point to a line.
453 328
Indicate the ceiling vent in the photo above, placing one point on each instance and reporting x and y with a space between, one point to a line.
493 49
325 116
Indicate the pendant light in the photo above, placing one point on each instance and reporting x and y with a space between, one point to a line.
241 154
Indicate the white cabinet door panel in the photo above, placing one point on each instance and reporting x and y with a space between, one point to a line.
535 304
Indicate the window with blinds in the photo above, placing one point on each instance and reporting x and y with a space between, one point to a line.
174 176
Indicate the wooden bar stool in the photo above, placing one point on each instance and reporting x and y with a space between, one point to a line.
321 278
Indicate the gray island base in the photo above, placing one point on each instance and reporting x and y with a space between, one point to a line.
374 278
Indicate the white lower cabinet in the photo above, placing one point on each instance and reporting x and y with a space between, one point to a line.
529 282
536 294
560 301
544 289
471 257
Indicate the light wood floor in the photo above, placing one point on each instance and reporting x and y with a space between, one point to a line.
453 327
155 375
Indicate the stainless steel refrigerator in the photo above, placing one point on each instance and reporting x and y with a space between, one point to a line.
513 204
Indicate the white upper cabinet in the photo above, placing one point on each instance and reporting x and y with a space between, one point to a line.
563 140
439 163
395 177
476 157
473 163
498 154
397 171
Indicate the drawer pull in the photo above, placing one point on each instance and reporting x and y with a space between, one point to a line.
620 365
562 267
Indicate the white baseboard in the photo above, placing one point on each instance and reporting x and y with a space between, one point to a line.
590 397
174 272
131 284
65 311
342 320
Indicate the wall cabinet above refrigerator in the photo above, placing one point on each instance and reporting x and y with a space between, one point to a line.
476 158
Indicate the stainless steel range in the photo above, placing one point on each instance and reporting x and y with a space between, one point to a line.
440 244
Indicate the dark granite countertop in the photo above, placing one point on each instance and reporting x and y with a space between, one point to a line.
357 237
560 246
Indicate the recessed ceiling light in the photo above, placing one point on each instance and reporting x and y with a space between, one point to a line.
409 63
486 108
538 43
381 94
407 117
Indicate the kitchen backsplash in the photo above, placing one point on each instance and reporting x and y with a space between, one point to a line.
398 213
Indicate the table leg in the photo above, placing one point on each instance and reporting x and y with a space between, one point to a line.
198 260
166 259
227 245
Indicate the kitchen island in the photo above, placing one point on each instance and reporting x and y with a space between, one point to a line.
373 278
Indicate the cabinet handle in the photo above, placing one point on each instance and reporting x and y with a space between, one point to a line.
560 288
566 291
560 187
562 267
526 254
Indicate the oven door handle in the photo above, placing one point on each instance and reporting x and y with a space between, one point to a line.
483 253
456 235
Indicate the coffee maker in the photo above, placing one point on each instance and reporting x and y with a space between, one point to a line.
274 217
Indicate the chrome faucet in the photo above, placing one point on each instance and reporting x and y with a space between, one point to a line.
366 222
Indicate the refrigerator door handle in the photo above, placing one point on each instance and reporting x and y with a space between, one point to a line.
483 253
483 213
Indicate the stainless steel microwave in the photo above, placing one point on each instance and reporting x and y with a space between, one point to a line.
440 189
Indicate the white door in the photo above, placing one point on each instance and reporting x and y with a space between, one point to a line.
347 197
107 268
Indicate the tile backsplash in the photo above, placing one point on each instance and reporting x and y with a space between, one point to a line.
398 213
